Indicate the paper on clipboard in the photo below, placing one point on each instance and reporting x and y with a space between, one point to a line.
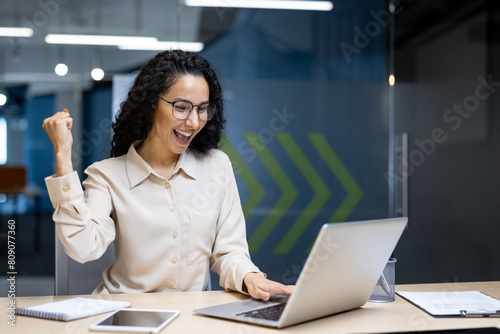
454 303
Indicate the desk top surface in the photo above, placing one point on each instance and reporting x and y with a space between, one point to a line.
370 318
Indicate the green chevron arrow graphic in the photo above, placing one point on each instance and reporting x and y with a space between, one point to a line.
322 193
354 192
257 192
288 190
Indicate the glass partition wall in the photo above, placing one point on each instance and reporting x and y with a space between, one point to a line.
306 96
447 122
369 109
373 109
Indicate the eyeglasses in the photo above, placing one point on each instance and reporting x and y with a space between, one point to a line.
182 109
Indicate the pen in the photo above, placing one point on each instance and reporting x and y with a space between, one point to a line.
382 281
480 313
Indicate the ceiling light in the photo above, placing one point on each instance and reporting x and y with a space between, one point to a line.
3 143
16 32
23 77
392 80
164 45
61 69
3 99
263 4
97 74
97 39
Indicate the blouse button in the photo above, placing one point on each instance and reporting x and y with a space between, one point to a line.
172 282
167 185
175 235
174 260
171 208
65 189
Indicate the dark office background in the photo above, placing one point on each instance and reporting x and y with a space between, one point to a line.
331 159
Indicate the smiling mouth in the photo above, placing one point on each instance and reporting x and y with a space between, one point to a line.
182 136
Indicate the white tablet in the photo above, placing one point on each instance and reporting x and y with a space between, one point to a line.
136 320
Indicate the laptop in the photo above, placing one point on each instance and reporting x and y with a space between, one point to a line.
339 274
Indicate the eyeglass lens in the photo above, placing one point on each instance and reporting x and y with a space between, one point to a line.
182 109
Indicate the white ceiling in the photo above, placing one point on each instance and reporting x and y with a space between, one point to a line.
32 61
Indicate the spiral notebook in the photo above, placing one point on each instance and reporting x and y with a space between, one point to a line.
70 309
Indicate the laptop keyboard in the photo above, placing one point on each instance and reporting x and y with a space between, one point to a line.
272 312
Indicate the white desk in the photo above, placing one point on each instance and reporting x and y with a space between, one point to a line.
371 318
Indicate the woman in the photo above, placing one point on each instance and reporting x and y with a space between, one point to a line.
167 197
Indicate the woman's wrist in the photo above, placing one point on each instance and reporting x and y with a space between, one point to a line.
64 165
249 277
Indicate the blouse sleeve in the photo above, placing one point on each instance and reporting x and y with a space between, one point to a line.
83 220
230 255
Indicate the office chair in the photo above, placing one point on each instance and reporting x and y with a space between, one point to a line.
73 278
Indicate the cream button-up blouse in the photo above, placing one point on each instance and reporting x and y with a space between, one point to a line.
167 233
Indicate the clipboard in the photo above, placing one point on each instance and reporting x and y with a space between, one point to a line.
454 303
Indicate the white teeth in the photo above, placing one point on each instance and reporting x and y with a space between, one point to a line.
187 134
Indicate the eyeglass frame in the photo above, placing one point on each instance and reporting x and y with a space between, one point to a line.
192 108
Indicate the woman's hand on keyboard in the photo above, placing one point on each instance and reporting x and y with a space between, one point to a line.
259 287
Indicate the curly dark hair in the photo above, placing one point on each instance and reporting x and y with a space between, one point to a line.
135 119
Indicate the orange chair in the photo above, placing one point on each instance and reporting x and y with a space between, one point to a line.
12 179
13 183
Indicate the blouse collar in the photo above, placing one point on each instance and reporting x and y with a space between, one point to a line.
138 169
